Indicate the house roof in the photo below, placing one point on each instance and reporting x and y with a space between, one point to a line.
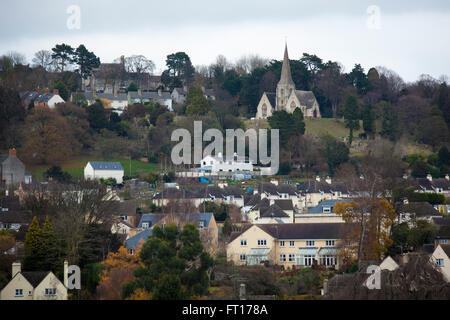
284 204
444 232
273 211
35 277
428 248
446 248
151 95
306 98
420 209
127 207
152 219
135 242
441 221
324 204
300 231
116 166
180 91
272 189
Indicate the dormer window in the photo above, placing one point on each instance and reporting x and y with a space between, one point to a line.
326 210
145 225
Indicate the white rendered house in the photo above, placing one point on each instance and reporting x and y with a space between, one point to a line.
219 164
104 170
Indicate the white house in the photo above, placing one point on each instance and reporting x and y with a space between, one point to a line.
219 164
34 285
104 170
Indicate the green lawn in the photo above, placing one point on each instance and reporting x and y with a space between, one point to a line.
333 127
76 167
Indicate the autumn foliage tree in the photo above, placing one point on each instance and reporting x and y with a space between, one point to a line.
49 138
369 222
118 270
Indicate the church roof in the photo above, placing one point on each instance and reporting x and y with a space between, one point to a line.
286 77
306 98
272 96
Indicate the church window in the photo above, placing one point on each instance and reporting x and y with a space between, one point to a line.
264 110
293 105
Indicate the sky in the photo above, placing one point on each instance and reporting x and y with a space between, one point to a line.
409 37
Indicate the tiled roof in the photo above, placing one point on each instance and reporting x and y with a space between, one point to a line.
106 165
135 242
326 203
306 98
152 219
420 209
273 211
446 248
284 204
21 217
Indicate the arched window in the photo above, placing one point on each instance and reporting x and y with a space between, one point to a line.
264 110
293 105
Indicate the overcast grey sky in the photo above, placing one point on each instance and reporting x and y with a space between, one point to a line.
412 37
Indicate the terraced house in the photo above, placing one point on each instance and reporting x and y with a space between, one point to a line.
287 245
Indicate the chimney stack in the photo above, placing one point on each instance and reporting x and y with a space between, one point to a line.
13 152
429 177
16 268
317 178
56 92
66 271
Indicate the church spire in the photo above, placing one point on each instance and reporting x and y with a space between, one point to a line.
286 77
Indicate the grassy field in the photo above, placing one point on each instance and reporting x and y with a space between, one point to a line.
317 127
76 167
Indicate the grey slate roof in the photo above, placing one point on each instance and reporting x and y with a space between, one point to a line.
420 209
135 242
272 96
300 231
20 217
106 165
152 219
324 204
273 211
306 98
284 204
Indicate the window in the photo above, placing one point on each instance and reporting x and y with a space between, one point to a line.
281 243
329 243
262 243
326 209
310 243
282 258
291 243
243 242
444 241
145 225
243 257
291 257
50 292
309 259
19 293
328 260
440 262
201 224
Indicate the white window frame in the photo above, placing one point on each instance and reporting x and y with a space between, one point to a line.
291 257
50 292
18 293
292 243
329 243
310 243
145 225
243 257
262 243
282 257
243 242
282 243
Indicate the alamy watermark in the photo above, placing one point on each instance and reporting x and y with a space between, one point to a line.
374 280
374 17
257 146
74 278
74 19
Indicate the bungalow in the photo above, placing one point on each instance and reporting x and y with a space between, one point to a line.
104 170
35 285
288 245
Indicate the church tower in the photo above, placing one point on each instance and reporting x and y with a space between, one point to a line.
286 85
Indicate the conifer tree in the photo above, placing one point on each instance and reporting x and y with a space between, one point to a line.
33 246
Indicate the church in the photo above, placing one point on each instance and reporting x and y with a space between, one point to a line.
287 97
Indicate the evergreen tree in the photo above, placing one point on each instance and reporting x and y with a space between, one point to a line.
368 120
351 115
33 252
389 125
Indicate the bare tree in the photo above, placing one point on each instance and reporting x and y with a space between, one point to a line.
139 64
43 58
17 58
331 82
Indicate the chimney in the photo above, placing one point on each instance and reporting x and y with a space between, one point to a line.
429 177
66 275
16 268
56 92
13 152
328 180
38 90
317 178
122 60
446 177
242 294
47 91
